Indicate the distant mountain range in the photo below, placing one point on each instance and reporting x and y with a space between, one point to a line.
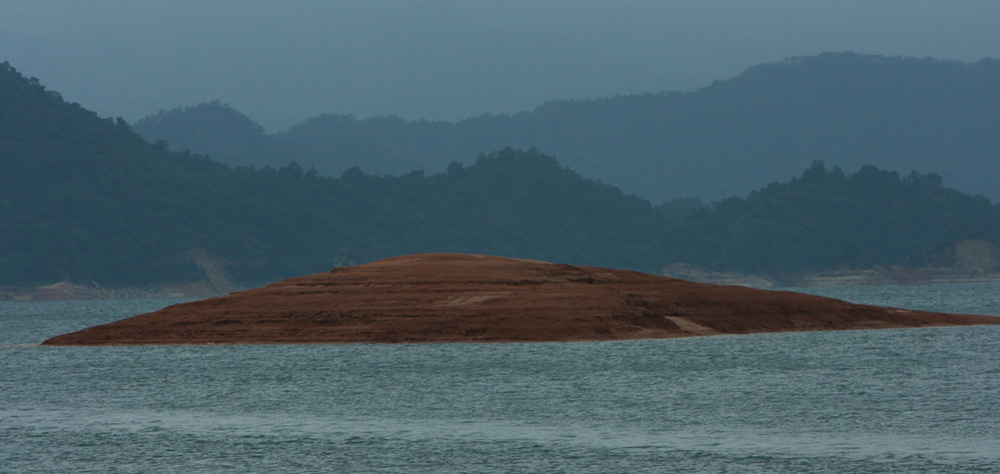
725 139
86 200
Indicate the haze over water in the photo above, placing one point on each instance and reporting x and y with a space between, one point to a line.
918 400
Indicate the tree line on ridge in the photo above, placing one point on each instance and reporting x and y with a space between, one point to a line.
85 199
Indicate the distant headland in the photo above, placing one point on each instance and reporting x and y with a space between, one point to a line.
467 298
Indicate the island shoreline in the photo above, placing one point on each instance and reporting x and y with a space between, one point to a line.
477 298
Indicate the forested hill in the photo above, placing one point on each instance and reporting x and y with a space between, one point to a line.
725 139
217 130
826 219
86 200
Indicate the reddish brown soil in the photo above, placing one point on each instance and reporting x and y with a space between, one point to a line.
451 297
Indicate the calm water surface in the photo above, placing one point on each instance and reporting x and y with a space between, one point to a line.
887 401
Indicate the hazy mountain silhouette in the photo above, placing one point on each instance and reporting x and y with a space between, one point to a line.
727 138
87 200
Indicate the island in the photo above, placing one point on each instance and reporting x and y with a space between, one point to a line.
479 298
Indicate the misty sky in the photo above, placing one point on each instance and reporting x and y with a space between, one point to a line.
283 61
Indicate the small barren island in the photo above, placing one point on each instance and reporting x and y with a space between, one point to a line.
465 298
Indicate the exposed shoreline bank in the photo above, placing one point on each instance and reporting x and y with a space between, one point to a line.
888 275
67 291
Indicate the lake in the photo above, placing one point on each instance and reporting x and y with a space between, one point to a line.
882 401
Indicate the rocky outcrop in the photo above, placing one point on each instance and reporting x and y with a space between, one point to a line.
453 297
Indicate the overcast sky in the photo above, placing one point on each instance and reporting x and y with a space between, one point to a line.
282 61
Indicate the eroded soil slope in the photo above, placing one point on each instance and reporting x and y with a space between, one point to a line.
454 297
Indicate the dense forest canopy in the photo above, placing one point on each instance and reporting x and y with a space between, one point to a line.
87 200
825 219
728 138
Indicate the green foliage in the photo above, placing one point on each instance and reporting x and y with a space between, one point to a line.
825 219
86 199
